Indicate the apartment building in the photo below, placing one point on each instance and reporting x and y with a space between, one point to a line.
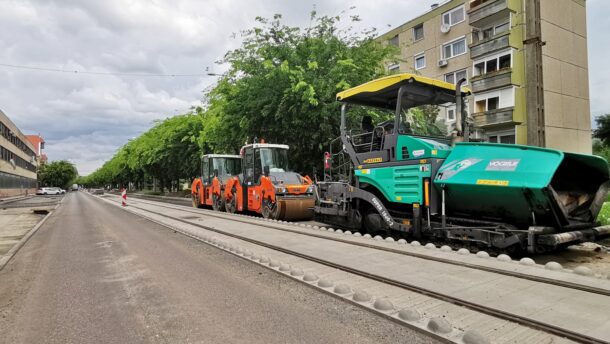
17 161
524 60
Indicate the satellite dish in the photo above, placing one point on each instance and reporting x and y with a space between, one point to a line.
445 28
12 161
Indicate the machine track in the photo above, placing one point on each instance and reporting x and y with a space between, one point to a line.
584 289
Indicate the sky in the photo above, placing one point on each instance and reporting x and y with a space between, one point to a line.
85 118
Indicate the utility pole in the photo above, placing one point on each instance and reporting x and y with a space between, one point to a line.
533 73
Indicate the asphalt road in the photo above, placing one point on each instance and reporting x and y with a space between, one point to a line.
96 274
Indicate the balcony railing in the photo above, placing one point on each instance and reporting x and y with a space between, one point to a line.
494 117
488 81
483 12
489 45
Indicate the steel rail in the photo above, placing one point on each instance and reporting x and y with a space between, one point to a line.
534 324
551 281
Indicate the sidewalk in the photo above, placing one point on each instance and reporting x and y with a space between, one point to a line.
17 224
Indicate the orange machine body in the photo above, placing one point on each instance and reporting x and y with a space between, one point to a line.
215 170
265 185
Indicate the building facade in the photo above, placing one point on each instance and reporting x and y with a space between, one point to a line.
524 60
17 161
38 142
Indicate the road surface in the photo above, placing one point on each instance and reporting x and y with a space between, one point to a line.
94 273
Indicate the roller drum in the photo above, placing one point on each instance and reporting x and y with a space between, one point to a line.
292 209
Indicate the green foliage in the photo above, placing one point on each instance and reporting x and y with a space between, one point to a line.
168 151
423 121
604 214
282 83
280 86
600 149
602 131
58 173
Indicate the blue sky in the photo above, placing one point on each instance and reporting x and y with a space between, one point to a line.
86 118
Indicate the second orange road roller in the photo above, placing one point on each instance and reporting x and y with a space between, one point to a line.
266 185
216 169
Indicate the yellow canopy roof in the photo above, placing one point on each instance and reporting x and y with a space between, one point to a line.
383 92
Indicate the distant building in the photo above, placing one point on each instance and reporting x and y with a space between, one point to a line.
524 60
38 142
17 161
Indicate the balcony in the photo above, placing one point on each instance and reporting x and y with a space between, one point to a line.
486 46
484 12
488 81
494 117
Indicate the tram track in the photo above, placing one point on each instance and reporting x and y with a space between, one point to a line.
491 311
271 224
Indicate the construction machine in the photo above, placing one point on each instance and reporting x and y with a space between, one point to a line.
266 185
216 169
503 197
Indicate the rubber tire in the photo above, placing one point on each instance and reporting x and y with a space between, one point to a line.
195 199
230 205
267 212
217 203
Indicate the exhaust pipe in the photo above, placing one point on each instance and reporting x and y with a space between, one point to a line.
463 132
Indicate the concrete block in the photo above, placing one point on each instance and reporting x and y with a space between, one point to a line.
324 283
482 254
527 261
439 325
383 305
409 314
504 258
361 296
342 289
474 337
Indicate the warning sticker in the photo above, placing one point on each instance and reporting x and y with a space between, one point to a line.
492 182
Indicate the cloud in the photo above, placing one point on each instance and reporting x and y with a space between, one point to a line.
86 118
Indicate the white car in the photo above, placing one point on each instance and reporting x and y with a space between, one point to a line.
49 191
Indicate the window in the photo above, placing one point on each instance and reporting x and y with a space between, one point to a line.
454 77
418 32
492 103
502 28
249 161
393 41
504 61
454 48
492 64
394 68
507 137
420 61
488 33
455 16
450 114
205 170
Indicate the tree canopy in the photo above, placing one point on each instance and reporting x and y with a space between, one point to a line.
57 173
282 83
168 151
280 86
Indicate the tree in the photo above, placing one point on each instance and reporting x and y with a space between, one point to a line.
282 84
602 131
169 151
424 121
58 173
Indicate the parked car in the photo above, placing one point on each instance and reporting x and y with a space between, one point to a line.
50 191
